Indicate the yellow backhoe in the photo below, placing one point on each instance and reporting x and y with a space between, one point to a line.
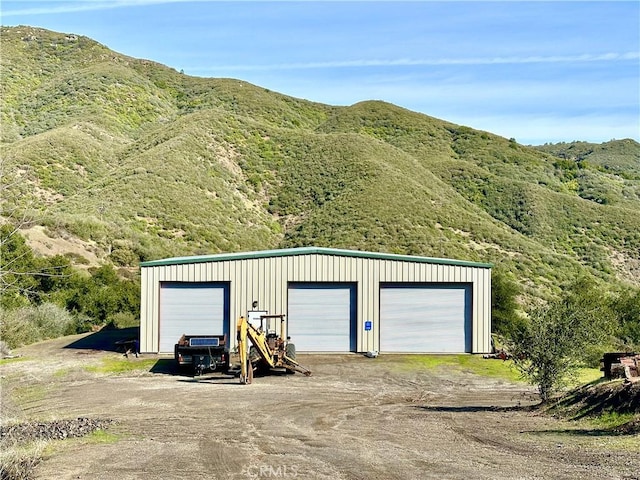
269 350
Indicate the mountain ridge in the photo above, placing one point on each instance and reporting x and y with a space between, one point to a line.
142 162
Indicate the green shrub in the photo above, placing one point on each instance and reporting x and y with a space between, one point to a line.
52 320
123 320
123 255
83 323
26 325
16 329
563 336
627 307
505 318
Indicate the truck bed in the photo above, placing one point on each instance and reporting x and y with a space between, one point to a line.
202 353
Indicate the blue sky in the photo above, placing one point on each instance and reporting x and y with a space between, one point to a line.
535 71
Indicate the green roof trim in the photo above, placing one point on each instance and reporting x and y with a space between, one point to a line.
286 252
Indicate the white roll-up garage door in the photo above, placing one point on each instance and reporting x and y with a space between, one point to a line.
432 318
192 309
321 317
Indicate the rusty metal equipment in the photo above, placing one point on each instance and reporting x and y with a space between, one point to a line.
621 365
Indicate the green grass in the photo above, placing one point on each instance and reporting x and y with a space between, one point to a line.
103 437
62 372
587 375
600 430
480 366
587 437
609 420
5 361
27 395
97 437
463 363
121 365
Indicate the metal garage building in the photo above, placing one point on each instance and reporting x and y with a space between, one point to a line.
335 300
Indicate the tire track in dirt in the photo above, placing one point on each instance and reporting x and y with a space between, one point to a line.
355 418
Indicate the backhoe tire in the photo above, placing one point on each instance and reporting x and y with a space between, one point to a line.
290 351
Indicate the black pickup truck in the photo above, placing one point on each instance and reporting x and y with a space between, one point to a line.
202 353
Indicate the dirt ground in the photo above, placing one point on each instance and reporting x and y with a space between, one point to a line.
355 418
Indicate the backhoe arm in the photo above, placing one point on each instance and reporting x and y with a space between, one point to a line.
259 341
247 332
272 358
245 366
291 364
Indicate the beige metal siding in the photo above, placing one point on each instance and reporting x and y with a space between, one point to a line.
266 280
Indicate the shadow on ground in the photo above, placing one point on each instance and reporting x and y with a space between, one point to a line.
165 366
106 339
599 397
212 379
476 408
581 432
168 366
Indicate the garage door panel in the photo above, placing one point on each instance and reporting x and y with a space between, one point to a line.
193 309
321 317
425 319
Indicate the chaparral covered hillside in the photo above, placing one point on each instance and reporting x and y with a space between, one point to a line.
107 158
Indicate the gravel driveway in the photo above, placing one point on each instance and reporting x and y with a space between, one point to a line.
355 418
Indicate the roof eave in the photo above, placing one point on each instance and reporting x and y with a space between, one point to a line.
310 251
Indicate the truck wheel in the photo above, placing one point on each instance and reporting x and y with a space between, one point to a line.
290 351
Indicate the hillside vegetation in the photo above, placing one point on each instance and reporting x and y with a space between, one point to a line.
140 162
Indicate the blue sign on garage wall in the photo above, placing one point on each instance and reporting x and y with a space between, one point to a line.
367 325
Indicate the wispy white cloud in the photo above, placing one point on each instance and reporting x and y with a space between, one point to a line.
408 62
74 6
547 72
52 7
